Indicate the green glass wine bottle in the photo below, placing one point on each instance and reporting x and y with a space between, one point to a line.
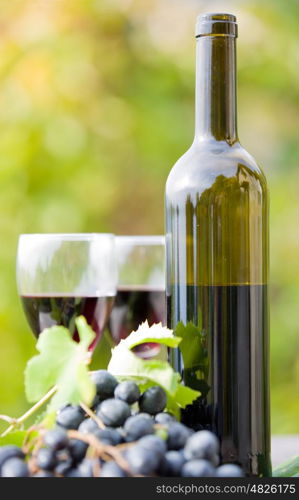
217 263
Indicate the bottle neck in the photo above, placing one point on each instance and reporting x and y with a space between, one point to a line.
216 109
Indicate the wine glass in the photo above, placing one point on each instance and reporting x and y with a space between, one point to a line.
141 288
62 276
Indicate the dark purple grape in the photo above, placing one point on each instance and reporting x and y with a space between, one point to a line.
111 469
77 449
127 391
88 426
9 451
87 466
177 435
153 400
46 459
70 417
198 468
14 467
172 464
137 426
72 473
56 439
202 444
43 473
229 470
105 384
63 467
164 418
108 436
153 443
113 412
142 460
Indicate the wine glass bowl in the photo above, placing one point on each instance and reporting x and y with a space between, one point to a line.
141 288
62 276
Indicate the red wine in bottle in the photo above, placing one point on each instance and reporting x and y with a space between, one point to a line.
46 311
133 305
217 262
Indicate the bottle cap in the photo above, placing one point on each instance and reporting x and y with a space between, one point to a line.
216 24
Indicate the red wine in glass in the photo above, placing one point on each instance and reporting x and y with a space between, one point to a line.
46 311
133 305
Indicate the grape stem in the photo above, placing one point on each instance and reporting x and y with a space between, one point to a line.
102 449
7 419
16 422
92 415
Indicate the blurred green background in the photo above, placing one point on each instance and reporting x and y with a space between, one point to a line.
96 104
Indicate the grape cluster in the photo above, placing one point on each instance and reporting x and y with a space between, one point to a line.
126 434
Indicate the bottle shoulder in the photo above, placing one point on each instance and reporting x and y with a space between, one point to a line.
209 162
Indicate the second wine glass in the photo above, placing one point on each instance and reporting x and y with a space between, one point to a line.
141 288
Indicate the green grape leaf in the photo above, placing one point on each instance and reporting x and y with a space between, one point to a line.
62 362
191 344
185 395
195 356
156 333
124 364
288 469
182 397
14 437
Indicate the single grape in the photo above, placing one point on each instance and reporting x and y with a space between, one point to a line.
153 400
145 415
88 426
153 443
14 467
46 459
137 426
172 464
105 384
108 436
70 417
229 470
113 412
120 431
56 439
142 460
43 473
198 468
177 435
202 444
9 451
111 469
77 449
127 391
87 467
164 418
72 473
62 468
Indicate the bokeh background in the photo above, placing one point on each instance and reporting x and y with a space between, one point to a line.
97 103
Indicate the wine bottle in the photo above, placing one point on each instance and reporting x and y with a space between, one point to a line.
217 262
